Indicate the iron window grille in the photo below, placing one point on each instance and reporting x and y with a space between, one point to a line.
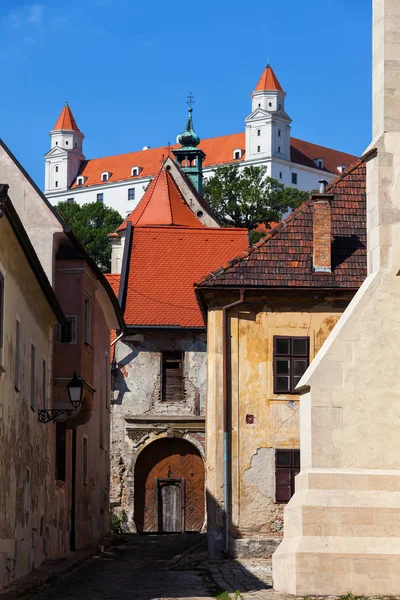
291 359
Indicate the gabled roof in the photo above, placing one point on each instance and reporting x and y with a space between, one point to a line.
268 81
284 258
11 214
66 120
162 204
164 264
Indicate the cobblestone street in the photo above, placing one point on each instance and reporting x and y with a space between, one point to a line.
162 567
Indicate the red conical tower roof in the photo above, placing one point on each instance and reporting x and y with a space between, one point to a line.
268 81
66 120
162 204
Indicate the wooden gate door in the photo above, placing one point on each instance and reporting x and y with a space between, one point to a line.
161 465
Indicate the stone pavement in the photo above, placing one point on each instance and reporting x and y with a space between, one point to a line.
162 567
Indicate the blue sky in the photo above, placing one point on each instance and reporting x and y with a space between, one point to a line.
126 67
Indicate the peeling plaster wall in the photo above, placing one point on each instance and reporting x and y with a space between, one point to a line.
255 514
137 392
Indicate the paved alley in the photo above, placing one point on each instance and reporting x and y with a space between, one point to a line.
160 567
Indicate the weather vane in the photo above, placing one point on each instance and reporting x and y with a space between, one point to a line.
190 100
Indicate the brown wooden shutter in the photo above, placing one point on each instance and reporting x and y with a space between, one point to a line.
172 377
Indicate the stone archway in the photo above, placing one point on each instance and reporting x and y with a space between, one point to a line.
169 487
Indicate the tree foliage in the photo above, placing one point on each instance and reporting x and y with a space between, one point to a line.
91 223
246 197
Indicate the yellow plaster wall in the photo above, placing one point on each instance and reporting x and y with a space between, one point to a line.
252 328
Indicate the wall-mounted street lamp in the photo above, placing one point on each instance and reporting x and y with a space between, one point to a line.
75 393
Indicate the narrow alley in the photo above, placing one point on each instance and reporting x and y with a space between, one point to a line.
161 567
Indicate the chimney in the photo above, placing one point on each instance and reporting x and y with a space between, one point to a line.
322 232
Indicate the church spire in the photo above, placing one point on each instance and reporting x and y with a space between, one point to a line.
189 157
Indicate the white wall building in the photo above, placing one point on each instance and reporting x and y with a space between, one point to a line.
119 181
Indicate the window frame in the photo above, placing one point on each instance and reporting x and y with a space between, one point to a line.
17 357
290 357
292 470
61 452
32 394
85 452
2 311
87 319
130 194
100 197
294 178
167 356
44 383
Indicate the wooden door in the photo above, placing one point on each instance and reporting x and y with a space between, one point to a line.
169 461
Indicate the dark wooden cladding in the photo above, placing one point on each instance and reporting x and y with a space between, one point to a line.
169 461
172 389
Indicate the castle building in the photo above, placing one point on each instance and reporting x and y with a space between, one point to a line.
120 181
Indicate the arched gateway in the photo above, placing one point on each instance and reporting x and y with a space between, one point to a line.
169 487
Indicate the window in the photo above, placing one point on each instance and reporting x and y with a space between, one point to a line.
280 174
104 176
108 367
131 194
294 178
236 155
100 197
17 354
259 105
269 103
61 450
70 200
44 384
84 460
67 333
67 142
258 148
1 316
258 132
56 169
291 359
200 214
79 181
172 377
56 143
28 491
279 149
136 170
287 466
279 133
33 375
56 183
320 164
87 320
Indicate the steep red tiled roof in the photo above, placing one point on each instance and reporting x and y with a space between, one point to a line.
268 81
66 120
162 204
284 258
165 262
218 151
113 280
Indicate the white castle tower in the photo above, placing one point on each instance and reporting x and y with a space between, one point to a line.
268 126
65 156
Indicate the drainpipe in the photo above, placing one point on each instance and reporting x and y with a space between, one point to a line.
72 542
226 419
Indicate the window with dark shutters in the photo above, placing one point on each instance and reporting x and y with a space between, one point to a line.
172 377
291 359
287 466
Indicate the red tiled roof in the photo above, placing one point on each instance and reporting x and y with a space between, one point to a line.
268 81
165 262
113 280
218 151
66 120
162 204
284 258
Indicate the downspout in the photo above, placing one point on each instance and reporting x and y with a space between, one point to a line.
226 418
72 536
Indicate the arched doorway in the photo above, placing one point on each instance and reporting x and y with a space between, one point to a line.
169 487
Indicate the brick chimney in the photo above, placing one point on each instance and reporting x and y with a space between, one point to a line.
322 233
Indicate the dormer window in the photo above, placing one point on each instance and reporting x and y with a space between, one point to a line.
238 153
80 180
319 162
135 171
105 176
341 168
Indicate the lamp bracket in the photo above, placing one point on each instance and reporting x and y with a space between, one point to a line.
45 416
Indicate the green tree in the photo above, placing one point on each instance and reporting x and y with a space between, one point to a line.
246 197
91 223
